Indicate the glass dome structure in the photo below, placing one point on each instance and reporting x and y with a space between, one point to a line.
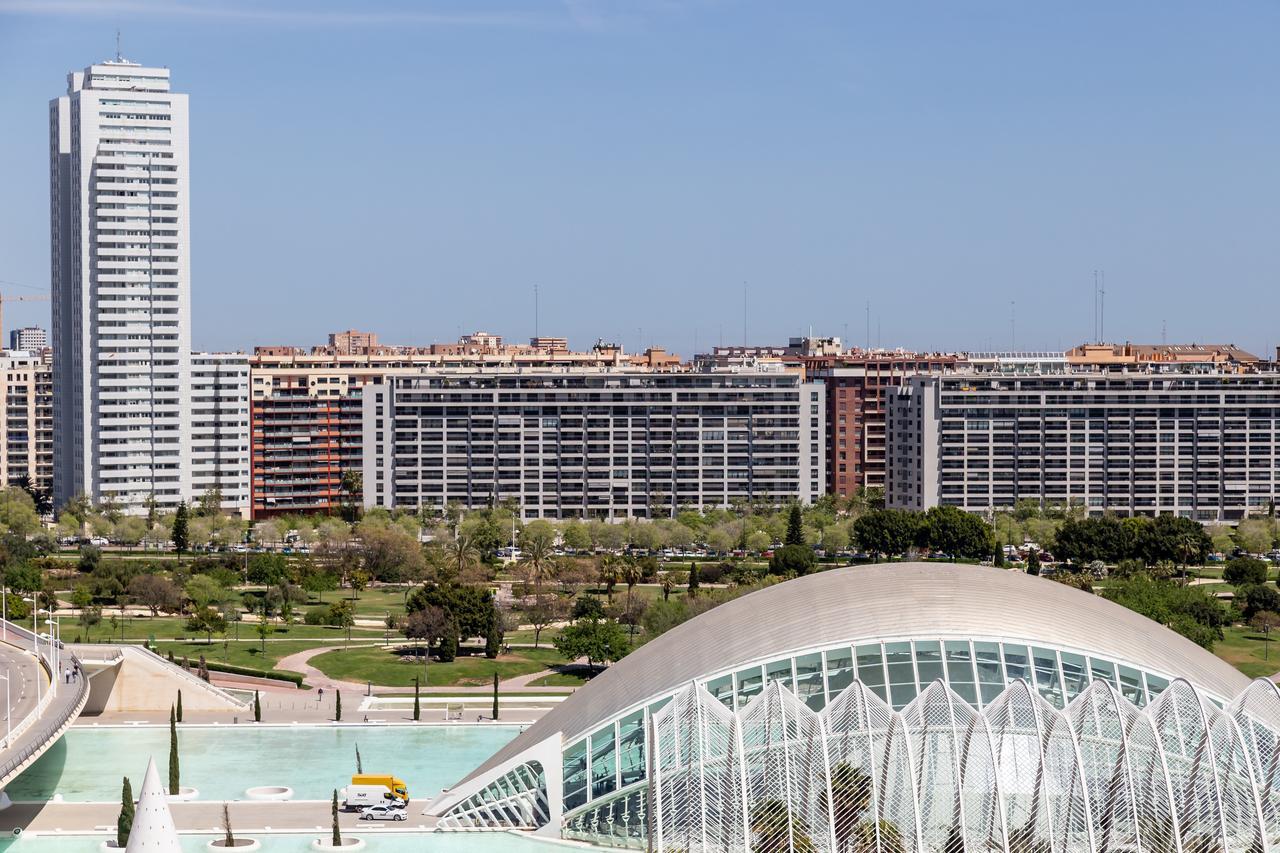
902 708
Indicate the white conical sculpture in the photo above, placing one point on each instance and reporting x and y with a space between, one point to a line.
153 830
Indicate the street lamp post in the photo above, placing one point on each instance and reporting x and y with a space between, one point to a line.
8 727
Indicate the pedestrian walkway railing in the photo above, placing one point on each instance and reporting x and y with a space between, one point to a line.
191 676
52 714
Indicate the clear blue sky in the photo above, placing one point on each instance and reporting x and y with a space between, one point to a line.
415 168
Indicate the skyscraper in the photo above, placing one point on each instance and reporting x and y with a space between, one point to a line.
121 286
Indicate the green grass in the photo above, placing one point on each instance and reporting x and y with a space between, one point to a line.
1245 649
243 653
562 679
384 667
171 627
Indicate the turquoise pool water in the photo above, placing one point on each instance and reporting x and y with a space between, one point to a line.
426 842
87 764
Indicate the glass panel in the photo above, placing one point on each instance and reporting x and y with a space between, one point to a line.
631 748
809 680
779 670
1102 670
1131 686
960 670
990 670
722 689
1016 665
1047 682
871 668
750 682
839 671
928 661
604 763
575 775
1156 685
659 705
1074 674
902 673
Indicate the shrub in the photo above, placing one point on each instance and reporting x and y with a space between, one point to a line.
1240 571
316 616
792 559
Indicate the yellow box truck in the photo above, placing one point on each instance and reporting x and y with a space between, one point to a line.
371 789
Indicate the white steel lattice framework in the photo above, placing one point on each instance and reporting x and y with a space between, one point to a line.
1020 776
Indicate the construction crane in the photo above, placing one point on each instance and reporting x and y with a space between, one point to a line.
33 297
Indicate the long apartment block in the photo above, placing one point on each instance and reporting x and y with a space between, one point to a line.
1200 443
593 443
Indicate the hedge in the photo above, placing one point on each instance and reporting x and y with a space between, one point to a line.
294 678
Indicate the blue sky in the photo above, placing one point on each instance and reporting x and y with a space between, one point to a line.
415 168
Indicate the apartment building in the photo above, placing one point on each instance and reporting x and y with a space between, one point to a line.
26 429
1195 440
306 415
119 183
609 443
28 339
220 428
857 384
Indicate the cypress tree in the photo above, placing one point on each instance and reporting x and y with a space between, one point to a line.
228 839
998 557
257 707
417 703
124 823
359 763
1033 563
179 711
174 786
795 527
493 636
180 533
495 695
694 579
337 835
337 706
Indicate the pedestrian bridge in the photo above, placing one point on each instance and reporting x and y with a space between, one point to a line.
103 678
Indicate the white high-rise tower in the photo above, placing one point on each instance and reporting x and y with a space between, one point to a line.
120 211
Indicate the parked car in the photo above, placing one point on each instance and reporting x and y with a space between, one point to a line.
384 812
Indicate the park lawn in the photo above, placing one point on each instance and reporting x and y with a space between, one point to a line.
384 667
175 627
375 603
525 636
562 679
1246 650
246 652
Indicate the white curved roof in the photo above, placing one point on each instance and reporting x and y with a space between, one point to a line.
866 602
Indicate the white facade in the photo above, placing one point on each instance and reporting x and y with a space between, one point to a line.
593 443
120 217
220 428
1203 445
29 338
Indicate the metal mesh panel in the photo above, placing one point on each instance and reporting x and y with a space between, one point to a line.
932 727
517 799
697 796
1257 712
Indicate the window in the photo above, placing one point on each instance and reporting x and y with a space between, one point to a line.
631 748
809 680
575 775
840 670
604 764
902 674
749 683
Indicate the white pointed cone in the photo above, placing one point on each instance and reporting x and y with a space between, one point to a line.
153 830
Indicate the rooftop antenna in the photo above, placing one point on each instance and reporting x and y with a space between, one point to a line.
1102 306
119 56
1164 332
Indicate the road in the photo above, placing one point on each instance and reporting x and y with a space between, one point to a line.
22 671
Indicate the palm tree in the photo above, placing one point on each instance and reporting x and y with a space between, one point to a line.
632 574
668 584
609 575
461 555
1189 545
538 561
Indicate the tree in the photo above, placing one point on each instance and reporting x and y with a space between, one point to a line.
90 615
155 592
495 696
792 559
885 531
1254 599
351 487
795 526
632 574
1255 535
180 531
774 828
587 607
953 531
257 707
493 634
267 569
124 823
668 583
1265 621
264 629
694 579
174 787
1187 610
417 701
178 708
997 556
207 621
337 833
337 706
1033 562
203 591
597 640
1240 571
545 611
427 624
228 839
